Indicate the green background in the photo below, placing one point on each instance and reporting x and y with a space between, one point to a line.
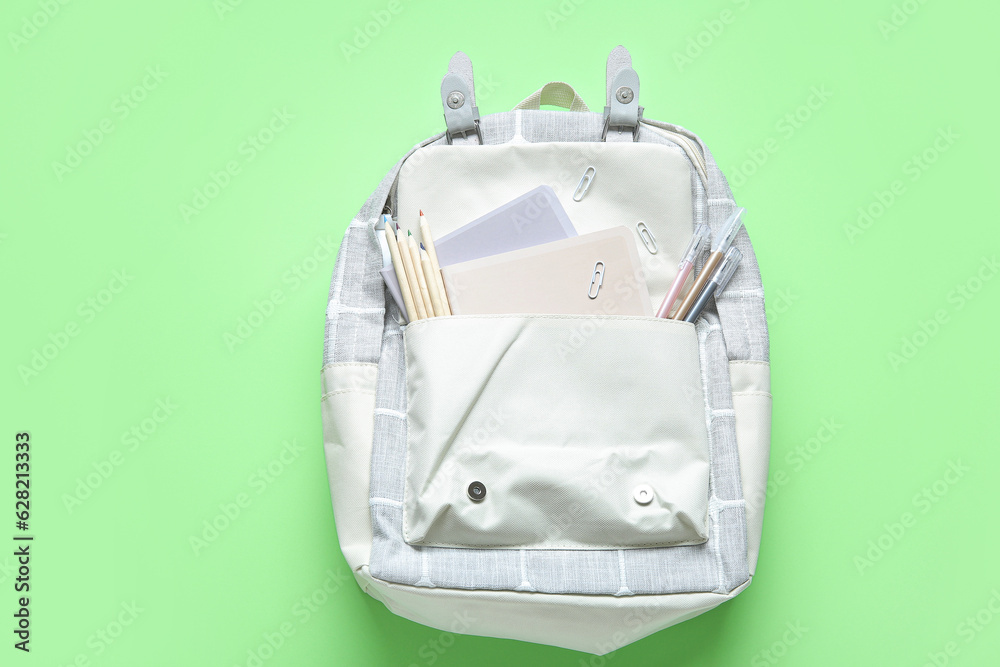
843 297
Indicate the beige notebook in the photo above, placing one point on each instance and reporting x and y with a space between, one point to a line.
596 273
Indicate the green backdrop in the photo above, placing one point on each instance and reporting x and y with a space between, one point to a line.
176 178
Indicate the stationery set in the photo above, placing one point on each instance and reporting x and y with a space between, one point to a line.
526 257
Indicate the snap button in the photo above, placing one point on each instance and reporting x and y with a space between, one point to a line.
455 99
477 491
643 494
624 94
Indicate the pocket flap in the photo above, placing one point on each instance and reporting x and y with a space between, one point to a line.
584 431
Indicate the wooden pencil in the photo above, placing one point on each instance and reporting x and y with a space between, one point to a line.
425 236
432 286
415 256
400 269
411 275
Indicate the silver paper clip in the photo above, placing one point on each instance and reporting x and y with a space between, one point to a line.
596 280
584 184
647 237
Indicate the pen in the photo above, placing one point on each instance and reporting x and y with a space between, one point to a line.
702 234
719 247
717 283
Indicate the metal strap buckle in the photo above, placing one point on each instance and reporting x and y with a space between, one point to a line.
465 133
608 126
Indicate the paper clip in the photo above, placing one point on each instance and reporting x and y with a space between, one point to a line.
584 184
647 237
596 280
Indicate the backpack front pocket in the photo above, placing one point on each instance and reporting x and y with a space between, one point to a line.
555 432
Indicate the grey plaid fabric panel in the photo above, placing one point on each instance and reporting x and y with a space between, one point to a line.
353 334
356 303
389 440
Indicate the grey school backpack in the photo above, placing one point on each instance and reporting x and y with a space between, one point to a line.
623 459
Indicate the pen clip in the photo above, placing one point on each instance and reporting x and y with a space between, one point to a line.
596 280
727 267
584 184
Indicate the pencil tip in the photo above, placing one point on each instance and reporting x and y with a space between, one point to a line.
421 211
397 226
409 233
422 247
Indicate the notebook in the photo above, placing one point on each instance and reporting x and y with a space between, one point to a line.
533 218
596 273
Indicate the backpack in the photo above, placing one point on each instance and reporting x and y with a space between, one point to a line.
572 424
